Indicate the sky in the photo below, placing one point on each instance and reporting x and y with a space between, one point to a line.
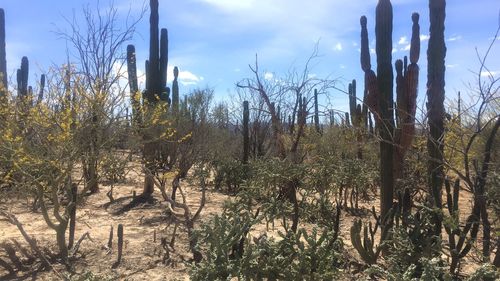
213 41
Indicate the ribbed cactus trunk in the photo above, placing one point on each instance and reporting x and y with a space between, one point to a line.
163 90
406 90
135 98
383 32
175 91
22 93
436 53
246 133
352 101
22 79
42 88
3 56
153 75
316 112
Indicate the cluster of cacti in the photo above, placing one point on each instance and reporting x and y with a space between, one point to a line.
379 96
156 72
365 245
406 100
156 89
359 115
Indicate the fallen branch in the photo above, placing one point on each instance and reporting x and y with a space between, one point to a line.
74 250
32 242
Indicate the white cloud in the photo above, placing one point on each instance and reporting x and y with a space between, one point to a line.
231 5
403 40
338 47
452 65
186 77
424 37
454 38
490 73
406 48
268 76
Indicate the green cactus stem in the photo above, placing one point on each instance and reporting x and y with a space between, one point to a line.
246 133
175 90
316 111
380 94
133 85
22 78
42 88
120 243
436 53
467 234
3 56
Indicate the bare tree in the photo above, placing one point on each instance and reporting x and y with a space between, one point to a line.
293 94
100 59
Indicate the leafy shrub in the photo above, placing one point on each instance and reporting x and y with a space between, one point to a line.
229 174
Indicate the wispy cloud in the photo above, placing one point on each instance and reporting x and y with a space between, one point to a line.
403 40
454 38
490 73
406 48
232 5
338 47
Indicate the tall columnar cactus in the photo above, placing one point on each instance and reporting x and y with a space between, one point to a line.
352 102
436 53
156 74
120 243
380 94
406 91
164 90
246 133
22 78
3 60
383 32
42 88
316 111
133 85
175 90
156 89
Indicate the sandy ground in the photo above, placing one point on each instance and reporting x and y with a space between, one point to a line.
144 228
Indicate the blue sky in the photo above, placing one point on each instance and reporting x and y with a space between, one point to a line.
213 41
